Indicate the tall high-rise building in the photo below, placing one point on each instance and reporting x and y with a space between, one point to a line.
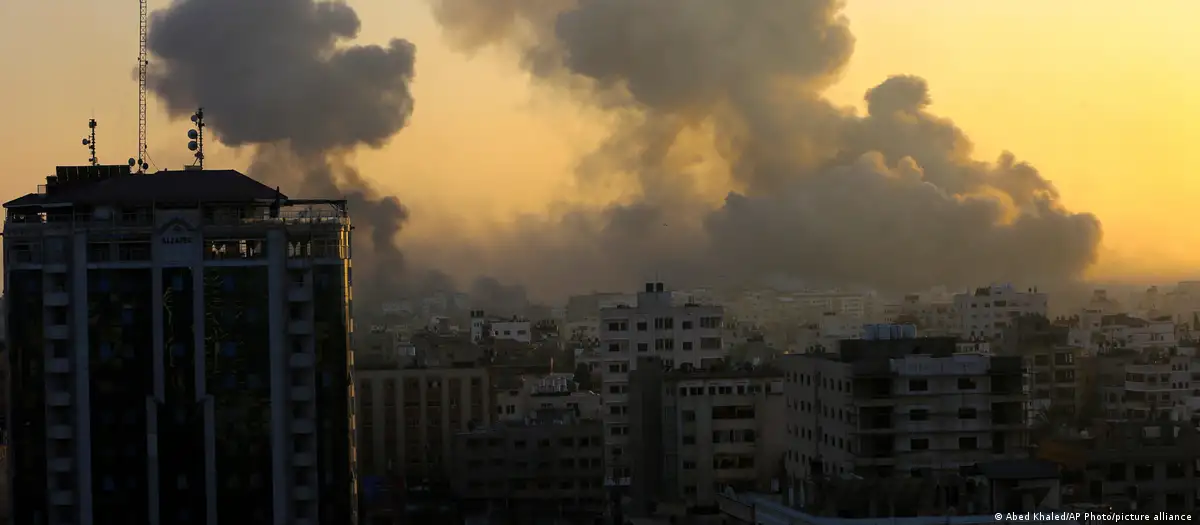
179 352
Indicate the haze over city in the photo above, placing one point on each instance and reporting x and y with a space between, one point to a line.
521 134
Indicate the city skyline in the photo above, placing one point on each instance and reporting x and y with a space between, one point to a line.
1088 93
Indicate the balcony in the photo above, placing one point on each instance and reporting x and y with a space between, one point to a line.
301 360
304 459
62 498
299 293
61 465
58 331
302 492
57 298
59 399
59 366
302 393
300 327
61 432
303 426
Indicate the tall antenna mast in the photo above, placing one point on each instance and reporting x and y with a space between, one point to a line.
196 136
90 142
143 63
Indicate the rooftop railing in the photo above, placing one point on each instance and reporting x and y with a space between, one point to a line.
231 218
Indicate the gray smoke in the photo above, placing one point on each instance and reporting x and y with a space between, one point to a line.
892 199
276 75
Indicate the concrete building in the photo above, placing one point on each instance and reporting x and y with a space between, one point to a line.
180 345
717 430
408 418
900 407
550 465
986 312
1150 466
548 392
512 329
684 336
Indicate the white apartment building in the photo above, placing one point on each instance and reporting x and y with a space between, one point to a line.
1096 332
682 336
900 407
1149 384
179 339
553 392
519 330
984 313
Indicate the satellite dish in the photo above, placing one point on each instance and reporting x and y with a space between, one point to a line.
85 142
145 166
192 145
192 134
132 162
193 118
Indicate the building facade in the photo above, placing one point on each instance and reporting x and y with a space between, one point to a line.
550 465
180 351
680 336
987 312
901 407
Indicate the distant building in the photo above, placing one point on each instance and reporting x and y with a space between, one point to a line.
179 345
986 312
549 465
534 394
684 336
1147 465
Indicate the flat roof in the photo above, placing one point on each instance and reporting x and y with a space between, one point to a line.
163 186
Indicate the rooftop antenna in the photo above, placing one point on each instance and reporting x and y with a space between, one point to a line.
143 64
90 142
196 143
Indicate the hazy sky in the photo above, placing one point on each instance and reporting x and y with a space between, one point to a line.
1098 95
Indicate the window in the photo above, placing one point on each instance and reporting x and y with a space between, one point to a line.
641 326
918 414
618 326
664 344
967 413
710 343
918 444
643 347
689 415
710 322
687 325
664 323
966 383
918 385
968 443
687 345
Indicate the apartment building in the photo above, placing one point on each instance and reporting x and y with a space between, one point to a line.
1147 385
900 407
548 465
680 336
716 430
986 312
1150 466
179 345
533 393
408 418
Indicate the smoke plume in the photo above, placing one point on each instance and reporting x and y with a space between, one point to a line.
274 75
892 199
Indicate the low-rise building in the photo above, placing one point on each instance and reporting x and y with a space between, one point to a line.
531 393
1147 465
547 465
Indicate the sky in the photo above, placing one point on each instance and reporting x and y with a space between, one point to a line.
1099 96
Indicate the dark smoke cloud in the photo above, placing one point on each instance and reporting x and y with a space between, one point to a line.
271 74
892 199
